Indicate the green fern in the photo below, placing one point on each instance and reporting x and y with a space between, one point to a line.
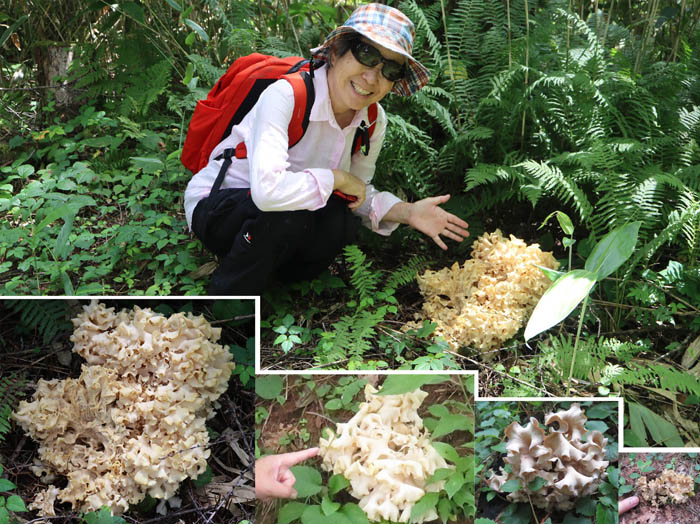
364 280
47 318
10 388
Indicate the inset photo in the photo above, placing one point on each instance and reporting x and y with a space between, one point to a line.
657 488
127 410
546 462
366 448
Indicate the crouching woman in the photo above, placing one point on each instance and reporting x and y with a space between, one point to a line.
286 212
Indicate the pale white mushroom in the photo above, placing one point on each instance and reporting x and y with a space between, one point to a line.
134 421
484 302
386 455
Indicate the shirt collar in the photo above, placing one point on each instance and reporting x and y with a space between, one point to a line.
322 109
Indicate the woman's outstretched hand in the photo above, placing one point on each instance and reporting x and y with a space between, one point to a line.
274 479
429 218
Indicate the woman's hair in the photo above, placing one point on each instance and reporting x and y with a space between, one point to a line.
341 46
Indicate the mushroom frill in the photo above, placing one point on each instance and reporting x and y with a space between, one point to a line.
133 423
386 455
570 467
485 302
669 488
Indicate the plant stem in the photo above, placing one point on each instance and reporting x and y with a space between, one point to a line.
527 69
578 335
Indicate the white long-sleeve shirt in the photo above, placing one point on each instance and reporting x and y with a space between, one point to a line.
287 179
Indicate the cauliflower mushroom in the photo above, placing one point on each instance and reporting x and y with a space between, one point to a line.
392 456
133 423
570 467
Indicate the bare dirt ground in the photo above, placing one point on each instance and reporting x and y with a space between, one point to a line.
633 465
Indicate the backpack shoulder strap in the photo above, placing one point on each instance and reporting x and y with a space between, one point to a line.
304 97
363 133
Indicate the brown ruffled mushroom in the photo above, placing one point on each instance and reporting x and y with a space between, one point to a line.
669 488
570 467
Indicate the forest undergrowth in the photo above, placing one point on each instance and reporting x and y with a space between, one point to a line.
591 109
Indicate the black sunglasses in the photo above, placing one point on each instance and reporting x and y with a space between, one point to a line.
370 56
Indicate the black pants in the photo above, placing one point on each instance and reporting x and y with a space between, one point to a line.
254 246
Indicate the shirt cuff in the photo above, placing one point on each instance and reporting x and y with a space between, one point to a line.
380 206
325 181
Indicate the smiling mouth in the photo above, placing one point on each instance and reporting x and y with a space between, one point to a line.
359 90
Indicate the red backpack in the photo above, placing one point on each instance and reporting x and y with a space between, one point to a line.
235 94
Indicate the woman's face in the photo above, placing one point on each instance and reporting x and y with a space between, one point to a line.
353 86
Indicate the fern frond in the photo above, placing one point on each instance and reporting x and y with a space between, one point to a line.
406 273
10 388
554 182
363 278
47 317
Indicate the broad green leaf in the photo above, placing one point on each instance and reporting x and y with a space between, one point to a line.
15 503
425 504
536 484
599 425
308 481
62 248
6 485
636 426
337 483
334 403
315 515
605 515
572 519
447 425
613 250
174 5
8 32
399 384
189 73
454 483
484 521
565 222
511 486
660 429
205 478
446 451
65 212
439 475
268 386
551 274
290 512
328 506
354 513
148 164
444 510
559 301
135 11
586 506
68 288
198 29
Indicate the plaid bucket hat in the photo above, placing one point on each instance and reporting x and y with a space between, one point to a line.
391 29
